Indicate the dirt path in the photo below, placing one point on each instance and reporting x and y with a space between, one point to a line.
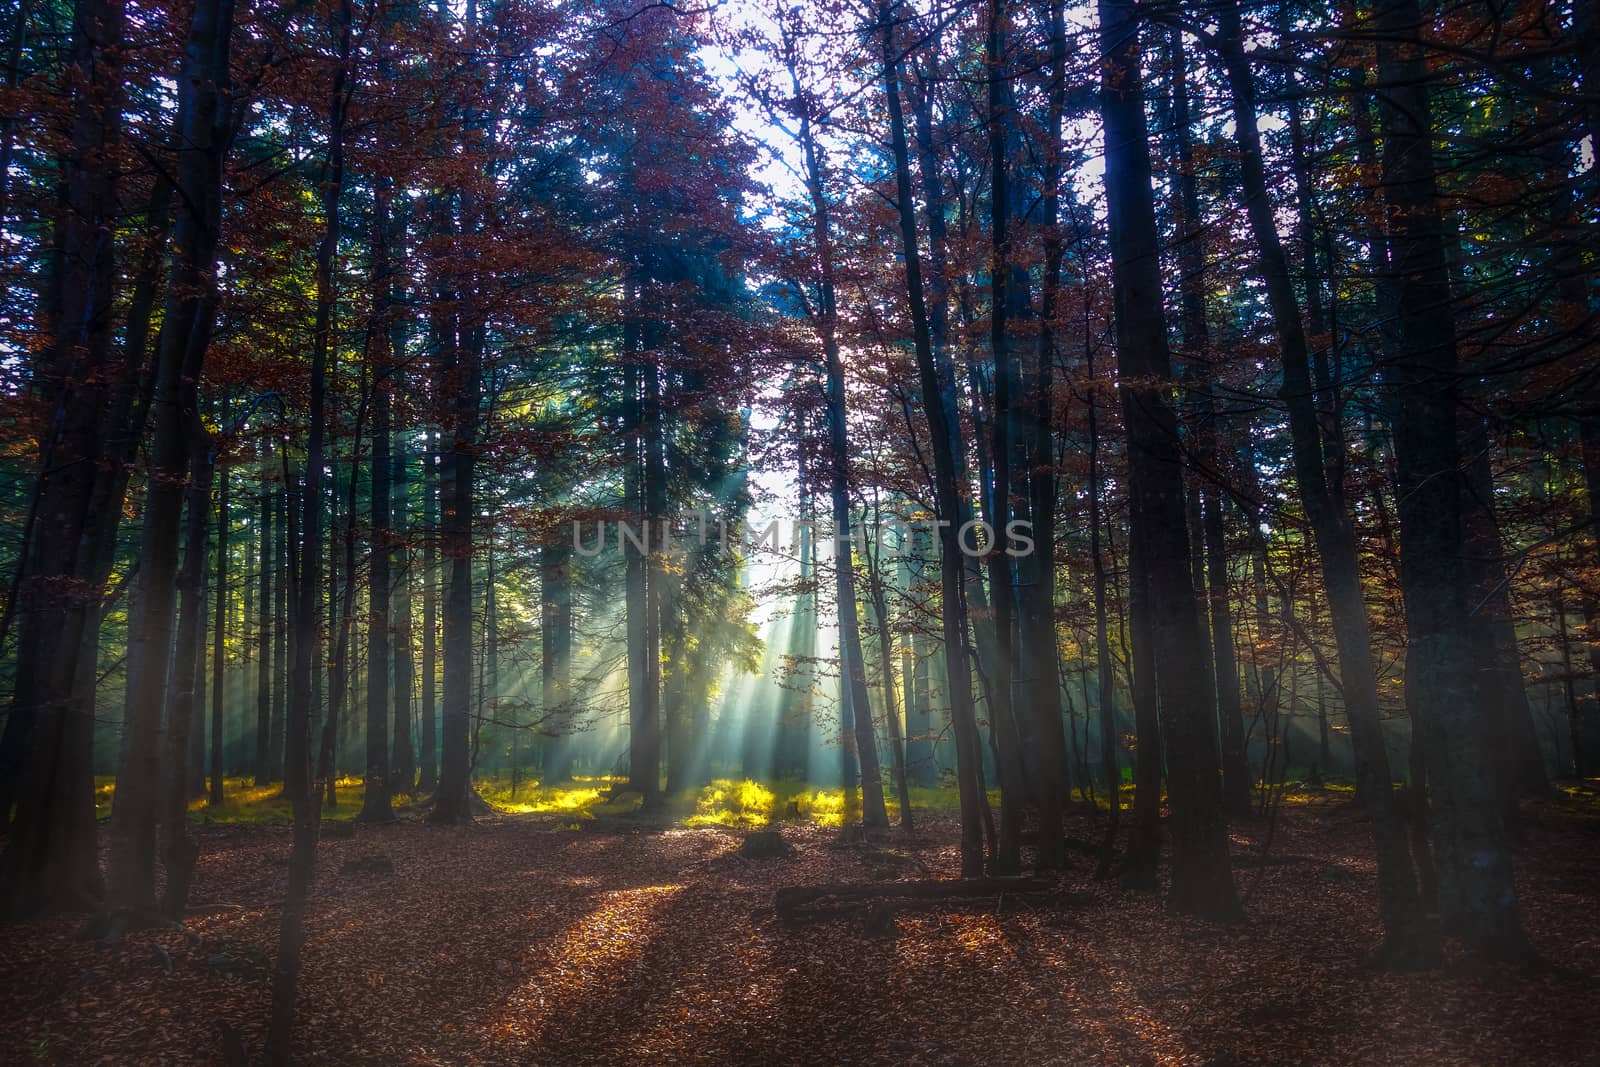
512 942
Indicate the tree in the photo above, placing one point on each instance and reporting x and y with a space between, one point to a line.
1202 881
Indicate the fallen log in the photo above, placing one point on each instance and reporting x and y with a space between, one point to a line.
791 901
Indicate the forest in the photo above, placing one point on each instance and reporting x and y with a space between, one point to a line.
800 531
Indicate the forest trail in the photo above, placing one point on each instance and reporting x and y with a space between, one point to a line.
514 942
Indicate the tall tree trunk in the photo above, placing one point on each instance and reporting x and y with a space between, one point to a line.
339 673
856 707
1476 887
1038 654
1202 881
298 783
937 303
658 604
644 713
219 633
428 774
877 593
461 379
186 326
555 581
1407 942
73 518
1558 608
1197 339
921 767
264 627
195 765
280 635
1143 857
1002 591
375 806
403 769
1105 671
943 434
180 850
853 693
1514 745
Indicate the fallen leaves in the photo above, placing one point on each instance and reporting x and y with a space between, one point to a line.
510 941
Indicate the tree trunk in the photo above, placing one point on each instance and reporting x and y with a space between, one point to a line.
943 433
375 806
1105 671
1197 339
298 782
1004 725
264 626
1476 887
644 713
920 759
185 334
180 848
891 712
1039 656
1514 746
1202 881
1407 942
556 659
219 633
461 379
657 603
403 769
280 636
428 776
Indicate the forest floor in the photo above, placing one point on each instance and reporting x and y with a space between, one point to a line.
523 940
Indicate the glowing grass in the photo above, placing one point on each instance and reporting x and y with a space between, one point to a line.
245 802
1582 795
580 800
740 804
733 803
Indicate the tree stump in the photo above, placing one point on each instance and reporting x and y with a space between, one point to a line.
764 844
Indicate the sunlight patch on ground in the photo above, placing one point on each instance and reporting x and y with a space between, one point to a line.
593 954
980 933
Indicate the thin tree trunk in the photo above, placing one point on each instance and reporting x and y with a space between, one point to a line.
375 805
302 788
403 768
644 757
280 636
1197 339
180 848
264 627
556 658
943 433
1105 672
219 631
428 775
